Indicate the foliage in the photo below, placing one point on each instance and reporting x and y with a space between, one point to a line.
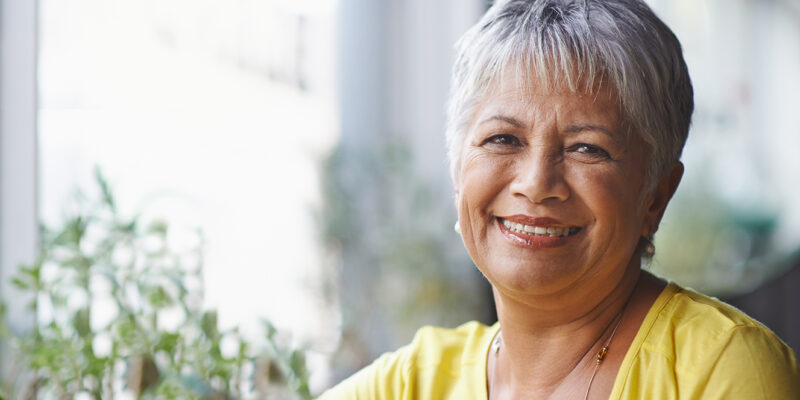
119 307
717 248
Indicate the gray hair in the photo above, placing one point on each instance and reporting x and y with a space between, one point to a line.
580 45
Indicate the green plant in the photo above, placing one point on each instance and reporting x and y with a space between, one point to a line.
119 307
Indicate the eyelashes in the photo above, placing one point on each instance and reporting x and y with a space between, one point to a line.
590 151
503 139
506 142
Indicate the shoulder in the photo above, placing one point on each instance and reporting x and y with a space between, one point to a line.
701 347
705 324
437 360
695 320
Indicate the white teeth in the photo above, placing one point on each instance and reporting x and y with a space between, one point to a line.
549 231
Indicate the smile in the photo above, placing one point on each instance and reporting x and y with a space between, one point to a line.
542 231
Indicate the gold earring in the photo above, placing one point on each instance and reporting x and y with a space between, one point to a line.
649 247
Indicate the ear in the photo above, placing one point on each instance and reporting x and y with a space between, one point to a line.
657 202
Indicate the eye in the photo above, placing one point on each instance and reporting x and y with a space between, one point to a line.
503 140
590 151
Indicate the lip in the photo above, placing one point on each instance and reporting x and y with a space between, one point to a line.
532 241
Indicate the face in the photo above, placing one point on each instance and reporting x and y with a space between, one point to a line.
549 190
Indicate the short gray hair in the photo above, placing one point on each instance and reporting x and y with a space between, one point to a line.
579 45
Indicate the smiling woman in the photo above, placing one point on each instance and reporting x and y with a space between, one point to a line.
566 125
553 162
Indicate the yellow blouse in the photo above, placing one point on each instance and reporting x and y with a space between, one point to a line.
689 347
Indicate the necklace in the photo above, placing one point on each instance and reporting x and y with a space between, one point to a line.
600 354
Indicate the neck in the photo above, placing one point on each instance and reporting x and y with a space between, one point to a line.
548 339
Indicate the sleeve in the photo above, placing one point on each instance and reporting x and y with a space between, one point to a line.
753 364
387 378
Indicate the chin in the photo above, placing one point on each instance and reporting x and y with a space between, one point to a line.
530 276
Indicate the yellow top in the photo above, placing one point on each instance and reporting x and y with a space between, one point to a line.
688 347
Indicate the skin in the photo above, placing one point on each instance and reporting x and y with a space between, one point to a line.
566 156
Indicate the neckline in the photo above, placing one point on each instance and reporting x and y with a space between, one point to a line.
494 330
630 355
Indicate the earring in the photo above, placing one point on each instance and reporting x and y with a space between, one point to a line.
457 228
649 247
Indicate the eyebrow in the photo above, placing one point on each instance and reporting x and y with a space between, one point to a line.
589 127
570 129
513 121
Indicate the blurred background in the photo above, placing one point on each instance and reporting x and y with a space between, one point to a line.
297 147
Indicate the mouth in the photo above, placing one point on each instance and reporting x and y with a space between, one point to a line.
544 229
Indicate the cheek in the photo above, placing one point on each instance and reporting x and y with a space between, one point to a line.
481 184
481 179
614 198
476 164
617 180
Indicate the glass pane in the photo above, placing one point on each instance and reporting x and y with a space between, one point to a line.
209 114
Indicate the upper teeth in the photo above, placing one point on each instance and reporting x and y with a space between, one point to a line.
553 231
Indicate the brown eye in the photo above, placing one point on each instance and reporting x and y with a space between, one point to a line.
590 150
503 140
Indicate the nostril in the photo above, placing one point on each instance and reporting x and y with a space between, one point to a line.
541 192
540 178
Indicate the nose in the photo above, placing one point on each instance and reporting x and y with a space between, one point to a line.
540 178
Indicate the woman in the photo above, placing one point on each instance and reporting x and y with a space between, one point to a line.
566 124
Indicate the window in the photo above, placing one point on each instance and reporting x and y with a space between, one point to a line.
211 114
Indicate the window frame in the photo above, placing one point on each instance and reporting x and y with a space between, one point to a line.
18 156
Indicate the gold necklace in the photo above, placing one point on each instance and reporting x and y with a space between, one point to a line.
600 354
